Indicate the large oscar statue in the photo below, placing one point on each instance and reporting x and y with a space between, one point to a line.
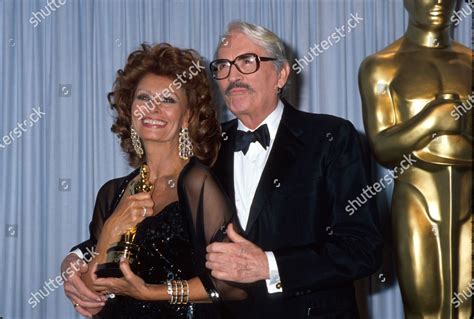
126 247
417 100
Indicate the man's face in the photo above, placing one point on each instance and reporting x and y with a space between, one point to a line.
430 13
255 94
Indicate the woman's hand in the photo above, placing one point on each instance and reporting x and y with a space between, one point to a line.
129 285
131 210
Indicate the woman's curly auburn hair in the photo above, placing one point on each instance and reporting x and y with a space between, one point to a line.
166 60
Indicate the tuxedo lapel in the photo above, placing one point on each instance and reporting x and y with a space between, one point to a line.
224 166
281 158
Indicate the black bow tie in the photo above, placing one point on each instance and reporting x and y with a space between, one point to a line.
243 139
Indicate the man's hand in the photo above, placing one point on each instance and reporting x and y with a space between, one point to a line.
240 261
76 290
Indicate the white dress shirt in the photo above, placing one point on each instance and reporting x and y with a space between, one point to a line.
248 169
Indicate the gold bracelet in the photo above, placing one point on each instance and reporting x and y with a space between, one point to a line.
180 293
178 290
169 290
186 294
174 298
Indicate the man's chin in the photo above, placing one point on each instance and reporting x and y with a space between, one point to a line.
238 104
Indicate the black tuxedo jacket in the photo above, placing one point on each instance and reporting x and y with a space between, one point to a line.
299 213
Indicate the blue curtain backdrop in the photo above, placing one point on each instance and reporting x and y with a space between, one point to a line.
57 67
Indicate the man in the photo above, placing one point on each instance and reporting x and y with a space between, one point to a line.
291 178
301 248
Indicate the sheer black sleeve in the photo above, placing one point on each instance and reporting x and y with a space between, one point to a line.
209 211
107 198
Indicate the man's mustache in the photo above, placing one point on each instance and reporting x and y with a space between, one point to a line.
234 85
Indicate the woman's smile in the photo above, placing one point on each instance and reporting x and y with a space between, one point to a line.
153 123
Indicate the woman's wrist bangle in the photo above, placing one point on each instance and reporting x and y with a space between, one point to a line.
169 290
186 292
174 300
178 291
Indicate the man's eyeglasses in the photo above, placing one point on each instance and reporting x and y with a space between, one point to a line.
247 63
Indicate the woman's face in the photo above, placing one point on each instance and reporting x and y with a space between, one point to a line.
159 111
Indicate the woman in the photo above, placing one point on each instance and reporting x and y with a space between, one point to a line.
163 118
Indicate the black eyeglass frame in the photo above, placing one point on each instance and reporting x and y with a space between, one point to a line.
258 58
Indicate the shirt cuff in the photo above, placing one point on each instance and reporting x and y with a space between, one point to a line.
77 252
274 283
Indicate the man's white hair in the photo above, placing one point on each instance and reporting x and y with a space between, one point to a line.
261 36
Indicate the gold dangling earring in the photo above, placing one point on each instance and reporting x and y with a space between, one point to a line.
185 146
136 142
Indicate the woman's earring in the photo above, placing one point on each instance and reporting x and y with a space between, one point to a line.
136 142
185 146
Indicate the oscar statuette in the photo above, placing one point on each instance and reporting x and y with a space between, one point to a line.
126 247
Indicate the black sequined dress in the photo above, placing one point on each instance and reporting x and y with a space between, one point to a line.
165 253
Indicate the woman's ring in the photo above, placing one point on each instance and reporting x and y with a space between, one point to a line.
76 305
109 295
144 211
